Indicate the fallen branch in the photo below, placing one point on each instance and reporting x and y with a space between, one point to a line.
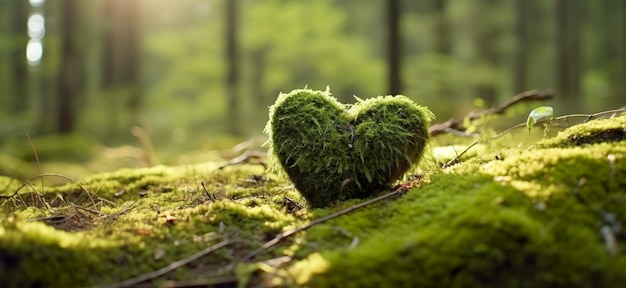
248 157
285 235
169 268
552 122
27 182
565 120
455 125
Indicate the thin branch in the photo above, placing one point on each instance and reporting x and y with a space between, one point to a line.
285 235
458 157
36 159
169 268
531 95
564 118
27 182
208 195
551 122
247 158
456 124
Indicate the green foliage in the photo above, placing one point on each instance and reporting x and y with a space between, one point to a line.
335 152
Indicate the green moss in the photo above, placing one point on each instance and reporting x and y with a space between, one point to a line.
134 233
528 220
595 131
333 151
532 218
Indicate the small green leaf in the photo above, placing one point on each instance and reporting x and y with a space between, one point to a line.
538 114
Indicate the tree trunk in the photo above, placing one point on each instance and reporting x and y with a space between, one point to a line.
443 41
568 53
133 63
257 59
121 48
232 56
109 54
523 35
20 97
614 49
121 62
68 82
486 51
622 84
393 47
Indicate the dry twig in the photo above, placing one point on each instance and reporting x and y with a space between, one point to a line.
285 235
169 268
248 157
455 125
552 122
27 182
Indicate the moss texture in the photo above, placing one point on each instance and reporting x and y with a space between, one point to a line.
135 221
333 151
543 217
548 216
595 131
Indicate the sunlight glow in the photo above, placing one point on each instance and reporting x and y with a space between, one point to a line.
36 26
203 9
36 3
34 51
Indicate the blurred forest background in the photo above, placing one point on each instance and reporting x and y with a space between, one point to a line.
77 76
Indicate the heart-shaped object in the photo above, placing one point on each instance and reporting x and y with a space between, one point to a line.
333 151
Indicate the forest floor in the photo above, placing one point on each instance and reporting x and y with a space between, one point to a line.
547 215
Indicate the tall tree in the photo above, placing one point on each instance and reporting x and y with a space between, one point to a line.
393 47
68 76
485 42
568 19
614 48
443 39
122 57
523 26
232 56
257 68
20 72
621 98
132 40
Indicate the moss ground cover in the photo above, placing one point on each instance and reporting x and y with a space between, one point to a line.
548 216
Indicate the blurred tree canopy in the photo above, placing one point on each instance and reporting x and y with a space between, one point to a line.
194 69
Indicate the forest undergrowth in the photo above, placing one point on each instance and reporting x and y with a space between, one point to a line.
503 210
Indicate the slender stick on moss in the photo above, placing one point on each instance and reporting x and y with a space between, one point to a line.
456 124
285 235
565 119
458 158
37 159
206 192
169 268
27 182
551 122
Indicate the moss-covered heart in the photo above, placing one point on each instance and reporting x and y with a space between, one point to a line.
332 151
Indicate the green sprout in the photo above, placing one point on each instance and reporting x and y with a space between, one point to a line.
537 114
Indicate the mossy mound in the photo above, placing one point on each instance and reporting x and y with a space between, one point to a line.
595 131
335 152
547 216
544 217
133 221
